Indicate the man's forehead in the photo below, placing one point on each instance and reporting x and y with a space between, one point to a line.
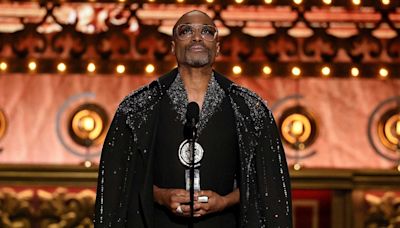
195 17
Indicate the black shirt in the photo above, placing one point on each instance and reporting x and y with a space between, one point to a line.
218 166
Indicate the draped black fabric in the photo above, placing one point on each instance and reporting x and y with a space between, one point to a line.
125 182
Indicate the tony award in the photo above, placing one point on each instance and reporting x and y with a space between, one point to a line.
185 156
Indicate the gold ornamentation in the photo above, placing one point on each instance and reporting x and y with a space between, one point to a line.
3 124
383 211
44 209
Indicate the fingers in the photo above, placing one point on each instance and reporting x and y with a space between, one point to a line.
179 196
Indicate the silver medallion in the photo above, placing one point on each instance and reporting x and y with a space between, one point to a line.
185 155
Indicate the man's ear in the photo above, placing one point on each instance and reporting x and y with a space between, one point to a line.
173 47
218 48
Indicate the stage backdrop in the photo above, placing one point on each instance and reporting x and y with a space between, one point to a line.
36 108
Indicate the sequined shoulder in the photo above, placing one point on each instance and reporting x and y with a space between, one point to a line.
140 98
138 105
259 111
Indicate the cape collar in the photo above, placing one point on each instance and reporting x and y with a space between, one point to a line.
167 79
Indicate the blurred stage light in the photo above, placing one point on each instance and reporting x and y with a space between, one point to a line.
120 69
149 68
91 67
383 72
237 70
61 67
267 70
32 65
296 71
3 66
355 72
326 71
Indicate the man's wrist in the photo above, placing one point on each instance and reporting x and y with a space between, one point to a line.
158 194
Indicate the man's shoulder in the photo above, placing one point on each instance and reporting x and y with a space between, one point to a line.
147 96
139 98
250 97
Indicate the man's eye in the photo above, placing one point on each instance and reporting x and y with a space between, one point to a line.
208 31
186 30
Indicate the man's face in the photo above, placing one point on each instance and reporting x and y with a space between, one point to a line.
193 43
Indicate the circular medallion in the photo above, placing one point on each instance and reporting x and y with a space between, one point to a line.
81 125
185 155
384 129
298 127
87 124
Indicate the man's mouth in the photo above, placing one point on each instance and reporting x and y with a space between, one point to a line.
197 48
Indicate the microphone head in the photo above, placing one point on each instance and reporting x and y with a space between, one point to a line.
192 112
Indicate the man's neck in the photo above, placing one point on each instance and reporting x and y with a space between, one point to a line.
196 81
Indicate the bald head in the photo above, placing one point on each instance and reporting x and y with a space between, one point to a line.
193 17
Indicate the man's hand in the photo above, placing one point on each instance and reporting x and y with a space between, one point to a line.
180 198
216 202
172 199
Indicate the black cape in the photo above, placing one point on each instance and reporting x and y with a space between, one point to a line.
125 182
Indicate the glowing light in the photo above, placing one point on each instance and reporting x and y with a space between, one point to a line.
268 1
267 70
326 71
298 1
3 66
32 65
355 72
61 67
239 1
87 164
87 124
297 128
385 2
356 2
180 1
120 69
328 2
383 72
398 127
237 70
209 1
91 67
150 68
296 71
297 166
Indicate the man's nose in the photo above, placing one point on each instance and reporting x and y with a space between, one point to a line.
197 35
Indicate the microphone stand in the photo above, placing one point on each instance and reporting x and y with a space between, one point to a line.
192 148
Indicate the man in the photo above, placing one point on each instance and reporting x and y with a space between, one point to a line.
242 171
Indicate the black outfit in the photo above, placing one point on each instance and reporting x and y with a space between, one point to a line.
217 170
126 170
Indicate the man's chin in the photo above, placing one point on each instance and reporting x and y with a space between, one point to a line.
198 64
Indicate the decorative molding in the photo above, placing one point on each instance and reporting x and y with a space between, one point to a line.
42 208
79 176
140 33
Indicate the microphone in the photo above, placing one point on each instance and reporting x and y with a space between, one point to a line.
192 118
190 132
